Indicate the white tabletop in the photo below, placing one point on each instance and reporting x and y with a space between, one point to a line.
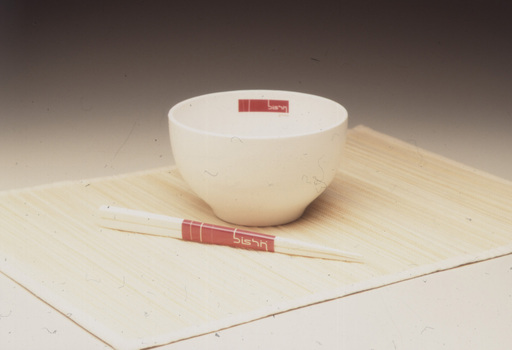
85 89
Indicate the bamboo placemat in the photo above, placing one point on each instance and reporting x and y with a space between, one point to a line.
408 211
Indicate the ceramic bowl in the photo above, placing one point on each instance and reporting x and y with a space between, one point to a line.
258 157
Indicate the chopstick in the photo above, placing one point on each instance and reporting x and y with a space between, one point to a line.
136 221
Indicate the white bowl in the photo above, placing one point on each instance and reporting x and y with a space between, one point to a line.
258 157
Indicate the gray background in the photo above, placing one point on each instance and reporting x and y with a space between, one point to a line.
78 79
85 88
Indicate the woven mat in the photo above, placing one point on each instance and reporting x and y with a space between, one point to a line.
408 211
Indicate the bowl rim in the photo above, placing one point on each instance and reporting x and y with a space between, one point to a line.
173 120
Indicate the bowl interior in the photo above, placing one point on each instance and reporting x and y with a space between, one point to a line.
258 114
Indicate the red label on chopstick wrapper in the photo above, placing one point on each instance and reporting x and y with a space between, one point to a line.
213 234
251 105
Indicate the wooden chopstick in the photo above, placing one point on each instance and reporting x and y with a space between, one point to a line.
162 225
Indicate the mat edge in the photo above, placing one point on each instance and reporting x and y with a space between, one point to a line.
316 298
358 128
369 131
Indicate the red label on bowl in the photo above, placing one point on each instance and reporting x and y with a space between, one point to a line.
251 105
